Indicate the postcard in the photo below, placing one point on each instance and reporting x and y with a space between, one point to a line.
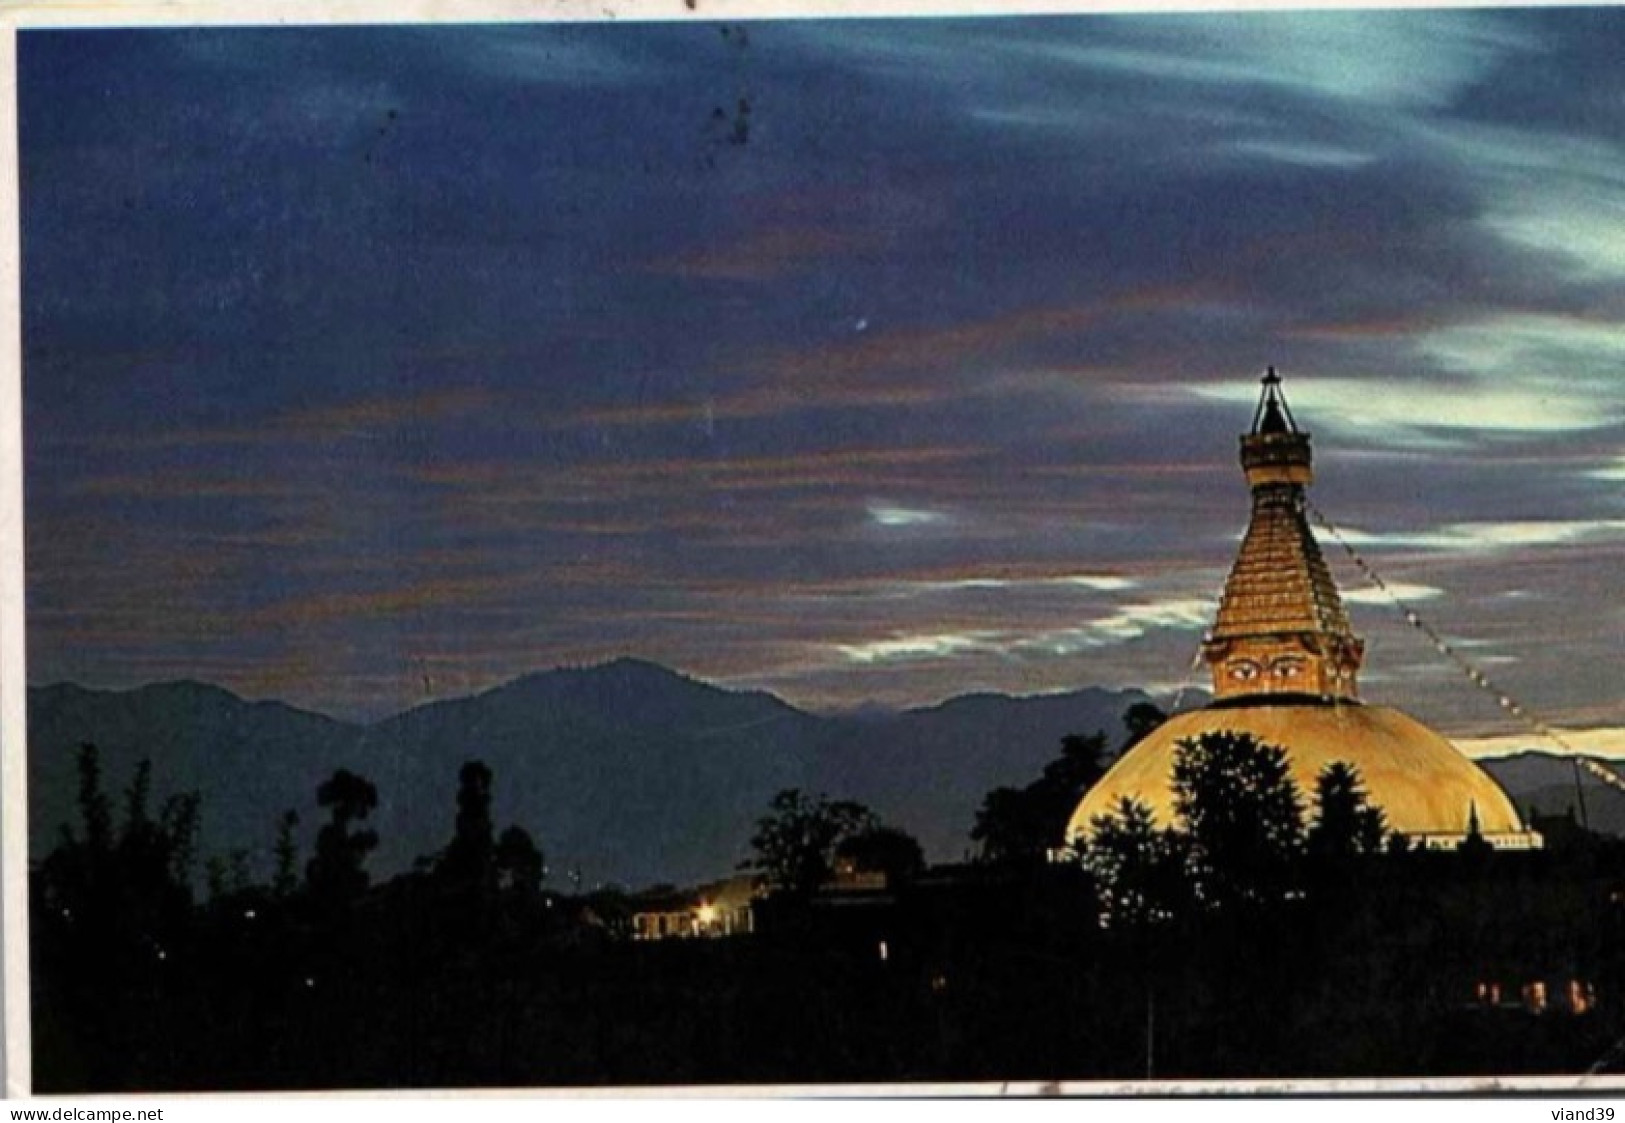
682 546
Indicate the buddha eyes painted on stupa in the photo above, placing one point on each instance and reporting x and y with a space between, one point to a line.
1288 667
1245 670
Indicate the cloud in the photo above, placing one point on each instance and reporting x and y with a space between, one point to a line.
1306 154
570 57
1603 742
561 54
1368 59
1401 590
405 600
1561 365
1099 583
1127 623
762 255
914 587
1555 191
1371 59
181 484
678 480
383 414
915 647
1491 537
941 347
886 514
1409 413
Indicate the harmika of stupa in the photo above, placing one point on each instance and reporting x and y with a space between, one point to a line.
1285 666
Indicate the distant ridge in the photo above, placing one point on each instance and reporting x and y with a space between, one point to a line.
1544 783
626 771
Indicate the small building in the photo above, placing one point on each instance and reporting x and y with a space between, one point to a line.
1557 994
715 909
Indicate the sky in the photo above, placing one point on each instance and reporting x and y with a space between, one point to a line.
870 361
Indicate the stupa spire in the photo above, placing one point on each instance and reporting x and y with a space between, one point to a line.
1272 414
1281 626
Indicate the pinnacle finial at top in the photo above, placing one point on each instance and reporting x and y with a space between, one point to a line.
1273 414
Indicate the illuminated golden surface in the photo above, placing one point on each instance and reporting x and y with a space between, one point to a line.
1281 627
1284 662
1421 782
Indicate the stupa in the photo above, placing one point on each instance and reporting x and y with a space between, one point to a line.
1285 664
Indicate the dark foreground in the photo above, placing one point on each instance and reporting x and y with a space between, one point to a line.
1392 966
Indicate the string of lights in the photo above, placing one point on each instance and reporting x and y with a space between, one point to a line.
1474 675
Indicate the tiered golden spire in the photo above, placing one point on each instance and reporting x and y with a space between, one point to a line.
1281 627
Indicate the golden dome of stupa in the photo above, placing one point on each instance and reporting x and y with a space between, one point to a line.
1285 660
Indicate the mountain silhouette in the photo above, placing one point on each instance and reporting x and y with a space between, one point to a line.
626 773
1543 783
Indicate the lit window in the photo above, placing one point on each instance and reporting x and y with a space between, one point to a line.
1534 997
1581 996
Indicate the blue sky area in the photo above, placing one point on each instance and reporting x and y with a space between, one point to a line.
859 361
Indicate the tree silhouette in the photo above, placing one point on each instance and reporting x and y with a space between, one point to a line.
93 807
1345 822
1138 869
1019 825
884 850
795 844
227 874
1079 767
520 867
336 874
1235 800
1010 826
136 819
153 855
137 880
178 823
467 863
111 914
285 873
1141 720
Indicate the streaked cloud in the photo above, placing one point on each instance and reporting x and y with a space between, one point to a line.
1101 583
1486 537
1407 413
1404 591
887 514
555 56
1564 361
1126 623
938 646
762 255
1604 742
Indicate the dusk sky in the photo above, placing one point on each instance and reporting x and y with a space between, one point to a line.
869 361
